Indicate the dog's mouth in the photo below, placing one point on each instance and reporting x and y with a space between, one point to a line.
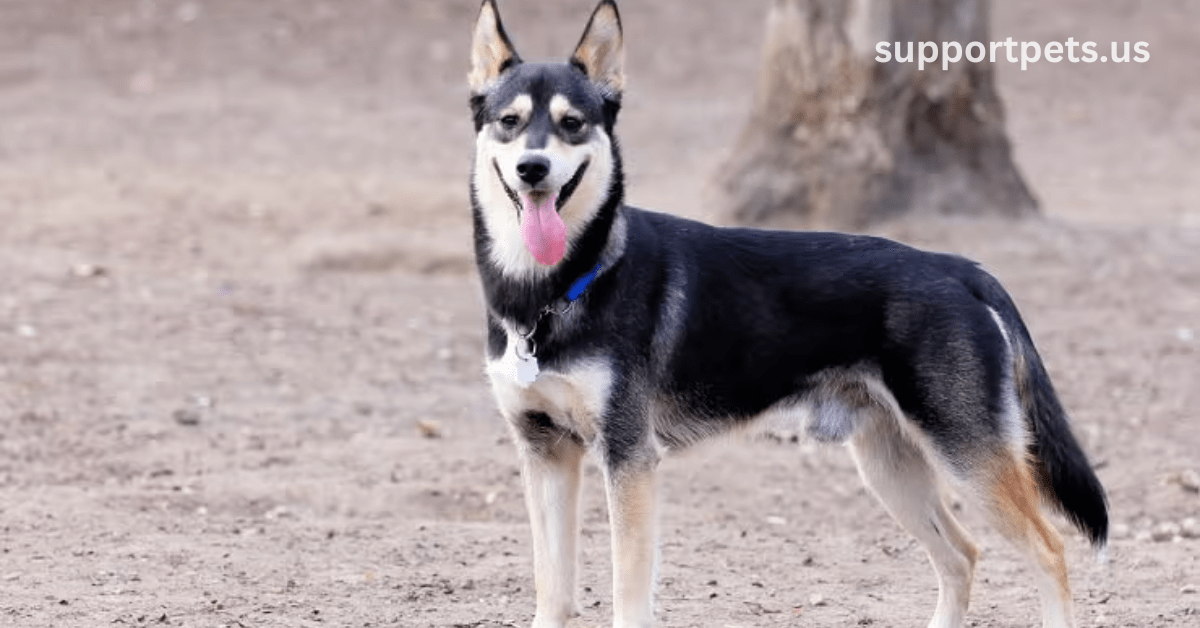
542 228
568 188
538 195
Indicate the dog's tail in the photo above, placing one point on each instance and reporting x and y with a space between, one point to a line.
1064 475
1066 478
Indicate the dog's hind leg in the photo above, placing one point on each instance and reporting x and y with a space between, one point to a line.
901 476
552 466
1013 501
633 513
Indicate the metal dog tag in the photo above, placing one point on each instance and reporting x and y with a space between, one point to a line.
524 363
527 370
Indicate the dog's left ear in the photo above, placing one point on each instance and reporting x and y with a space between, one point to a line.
491 51
601 50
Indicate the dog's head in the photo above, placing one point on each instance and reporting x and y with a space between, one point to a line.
544 150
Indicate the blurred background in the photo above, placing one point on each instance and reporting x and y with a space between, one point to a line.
241 334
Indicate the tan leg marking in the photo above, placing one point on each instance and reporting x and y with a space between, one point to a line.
633 512
1015 502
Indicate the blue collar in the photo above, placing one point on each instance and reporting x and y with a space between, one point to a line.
581 284
573 293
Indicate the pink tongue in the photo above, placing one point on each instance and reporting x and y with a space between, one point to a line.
544 232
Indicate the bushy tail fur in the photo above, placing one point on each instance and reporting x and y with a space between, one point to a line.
1064 475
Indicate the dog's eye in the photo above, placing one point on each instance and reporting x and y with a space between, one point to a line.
510 121
571 124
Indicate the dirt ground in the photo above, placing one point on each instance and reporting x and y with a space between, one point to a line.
237 277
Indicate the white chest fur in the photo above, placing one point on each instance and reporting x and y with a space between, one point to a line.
573 398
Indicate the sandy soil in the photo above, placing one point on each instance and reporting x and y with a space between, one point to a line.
237 278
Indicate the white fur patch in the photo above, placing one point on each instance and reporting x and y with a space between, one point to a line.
560 107
521 106
1016 432
574 399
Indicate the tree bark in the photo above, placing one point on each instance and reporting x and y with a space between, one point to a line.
837 139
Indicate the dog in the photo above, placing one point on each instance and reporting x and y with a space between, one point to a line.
629 334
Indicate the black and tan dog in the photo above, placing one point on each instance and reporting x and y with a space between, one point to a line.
629 334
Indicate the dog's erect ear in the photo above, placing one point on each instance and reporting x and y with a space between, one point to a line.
491 51
601 50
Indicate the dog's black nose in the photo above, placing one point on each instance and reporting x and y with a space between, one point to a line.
533 168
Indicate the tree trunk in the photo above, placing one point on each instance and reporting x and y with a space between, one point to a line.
839 140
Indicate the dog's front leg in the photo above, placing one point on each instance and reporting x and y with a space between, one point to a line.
553 475
633 513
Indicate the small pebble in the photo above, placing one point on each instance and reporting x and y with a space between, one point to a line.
816 599
186 416
1188 589
776 521
88 270
1166 531
1190 481
1190 528
429 429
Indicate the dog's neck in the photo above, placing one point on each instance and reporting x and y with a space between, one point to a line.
520 300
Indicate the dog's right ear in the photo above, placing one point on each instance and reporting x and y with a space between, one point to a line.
491 51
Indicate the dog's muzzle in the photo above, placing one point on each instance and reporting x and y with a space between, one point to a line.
564 194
